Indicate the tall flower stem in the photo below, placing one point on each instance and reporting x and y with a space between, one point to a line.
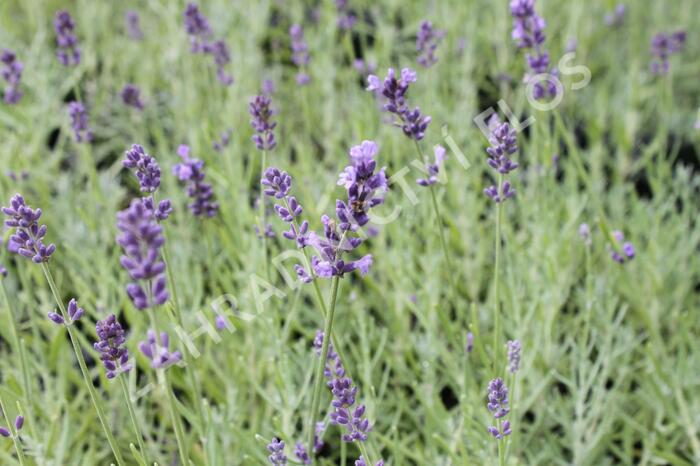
83 367
262 214
132 416
15 435
438 220
496 281
318 382
16 343
365 454
164 382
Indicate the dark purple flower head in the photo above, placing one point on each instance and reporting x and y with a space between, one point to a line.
662 47
346 19
301 453
498 405
277 183
133 26
144 167
197 27
74 314
276 449
300 52
222 57
11 73
111 346
202 194
68 52
28 239
4 431
261 110
433 169
528 32
141 239
427 41
159 351
79 122
393 90
628 251
513 355
503 142
131 96
19 423
617 17
224 140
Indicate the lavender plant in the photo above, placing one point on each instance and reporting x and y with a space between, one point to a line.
11 73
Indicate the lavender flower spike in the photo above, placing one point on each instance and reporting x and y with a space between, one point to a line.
427 41
628 251
159 351
113 353
503 144
202 194
433 169
300 53
222 57
276 449
197 27
131 96
498 405
662 47
11 73
513 355
301 453
361 462
68 52
28 239
144 167
79 122
346 19
141 240
393 90
261 110
133 26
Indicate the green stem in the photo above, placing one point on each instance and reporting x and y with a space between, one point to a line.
262 214
365 454
318 383
132 416
16 342
83 367
496 280
15 434
438 220
164 382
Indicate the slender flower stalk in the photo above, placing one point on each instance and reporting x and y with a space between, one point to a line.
12 430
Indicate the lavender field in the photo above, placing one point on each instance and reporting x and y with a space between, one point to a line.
349 232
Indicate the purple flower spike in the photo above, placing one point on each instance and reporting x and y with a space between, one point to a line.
427 41
144 167
19 423
300 53
617 17
276 449
513 355
528 32
113 353
261 110
131 96
197 27
68 52
11 73
393 90
361 462
628 251
141 240
662 47
498 405
5 432
222 57
79 122
133 25
223 141
159 351
28 239
202 194
346 19
433 169
503 144
301 453
277 183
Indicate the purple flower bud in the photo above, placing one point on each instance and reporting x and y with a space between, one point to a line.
131 96
111 346
261 110
427 42
19 423
79 122
498 405
56 318
5 432
276 449
68 52
158 351
11 73
470 342
202 194
197 27
74 312
514 355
